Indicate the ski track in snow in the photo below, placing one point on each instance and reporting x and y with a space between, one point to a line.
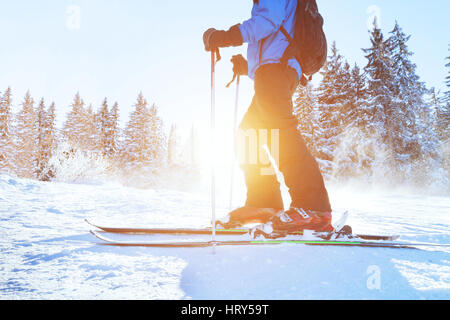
46 251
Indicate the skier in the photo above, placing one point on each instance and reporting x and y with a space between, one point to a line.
271 109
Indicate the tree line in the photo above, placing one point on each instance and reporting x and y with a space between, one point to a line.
355 121
30 138
381 115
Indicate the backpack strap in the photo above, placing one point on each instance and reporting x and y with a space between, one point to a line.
289 53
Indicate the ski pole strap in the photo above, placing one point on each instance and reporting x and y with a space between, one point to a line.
232 80
218 57
215 57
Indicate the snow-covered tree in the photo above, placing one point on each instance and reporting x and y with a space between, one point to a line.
75 128
46 140
354 153
157 136
443 123
379 74
356 100
26 139
137 151
306 111
447 82
41 151
6 142
331 99
113 136
103 128
90 125
443 110
409 120
51 132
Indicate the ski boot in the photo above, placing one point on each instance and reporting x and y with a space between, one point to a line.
296 219
247 215
294 222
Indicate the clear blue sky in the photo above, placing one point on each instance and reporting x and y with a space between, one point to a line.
121 47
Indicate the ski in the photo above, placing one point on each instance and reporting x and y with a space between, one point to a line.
207 231
202 244
179 231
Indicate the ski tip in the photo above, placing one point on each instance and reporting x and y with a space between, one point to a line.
98 236
90 223
95 234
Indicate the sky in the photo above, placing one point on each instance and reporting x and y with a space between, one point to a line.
117 48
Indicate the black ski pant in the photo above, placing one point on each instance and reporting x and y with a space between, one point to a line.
270 121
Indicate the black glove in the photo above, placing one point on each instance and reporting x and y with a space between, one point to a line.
240 65
214 39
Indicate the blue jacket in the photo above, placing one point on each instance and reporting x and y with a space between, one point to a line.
267 18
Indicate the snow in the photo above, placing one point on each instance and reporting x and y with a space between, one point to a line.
48 253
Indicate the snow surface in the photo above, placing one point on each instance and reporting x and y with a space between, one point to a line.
48 253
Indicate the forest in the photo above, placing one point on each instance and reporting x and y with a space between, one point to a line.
379 123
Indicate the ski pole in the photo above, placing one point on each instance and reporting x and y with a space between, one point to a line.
236 106
213 129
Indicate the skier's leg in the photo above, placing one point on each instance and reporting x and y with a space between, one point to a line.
274 88
302 174
263 189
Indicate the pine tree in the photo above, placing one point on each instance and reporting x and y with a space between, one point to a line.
377 113
90 125
41 152
103 128
6 142
136 152
144 143
74 129
5 112
447 82
410 118
46 140
305 110
351 157
331 98
157 137
356 99
113 132
443 123
51 134
443 110
26 139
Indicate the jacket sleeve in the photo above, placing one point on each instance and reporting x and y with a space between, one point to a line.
267 18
